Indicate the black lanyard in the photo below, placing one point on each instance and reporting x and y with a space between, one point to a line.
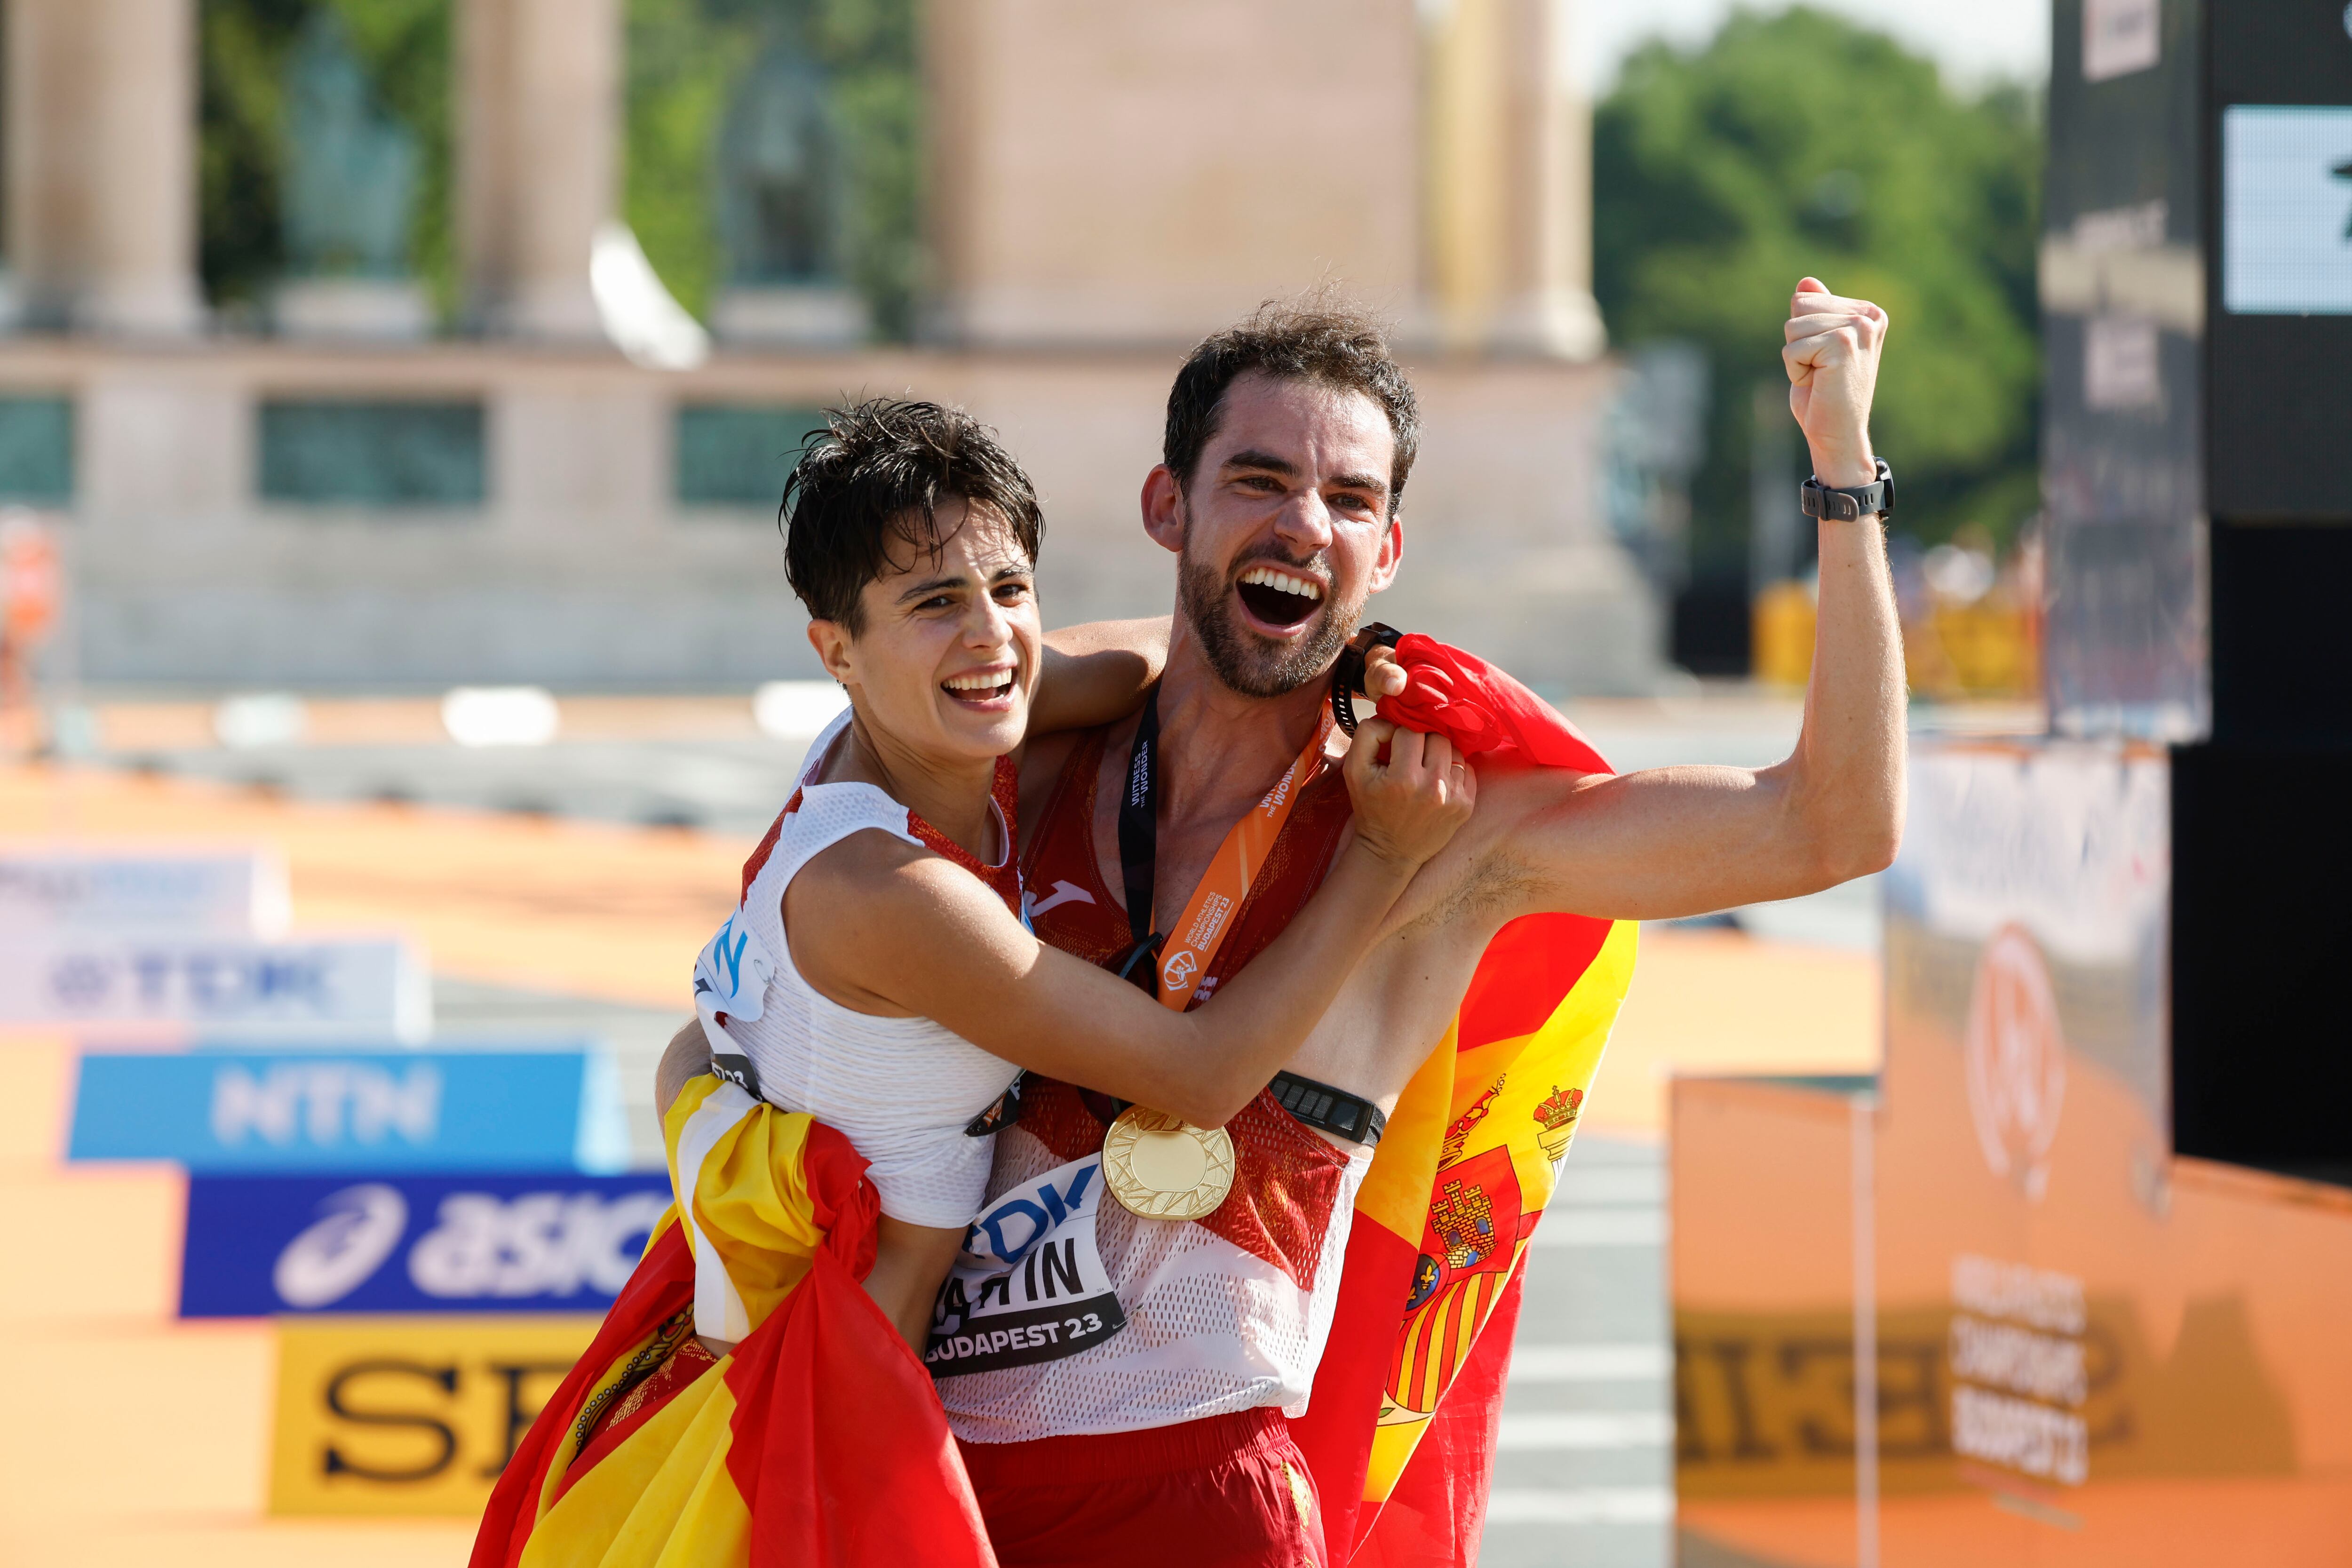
1139 847
1316 1104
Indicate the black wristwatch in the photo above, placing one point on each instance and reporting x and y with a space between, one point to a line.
1819 499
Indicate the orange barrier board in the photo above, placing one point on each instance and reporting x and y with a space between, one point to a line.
2084 1350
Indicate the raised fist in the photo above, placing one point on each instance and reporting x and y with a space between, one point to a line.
1832 362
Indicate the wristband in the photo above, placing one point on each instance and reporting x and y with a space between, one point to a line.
1334 1111
1820 501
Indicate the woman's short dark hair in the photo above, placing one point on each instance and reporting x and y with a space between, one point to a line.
873 479
1315 339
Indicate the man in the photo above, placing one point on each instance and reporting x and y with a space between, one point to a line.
1290 442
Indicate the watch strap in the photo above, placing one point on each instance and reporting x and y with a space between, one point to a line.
1348 674
1876 498
1332 1111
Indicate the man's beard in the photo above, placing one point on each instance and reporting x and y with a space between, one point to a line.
1244 661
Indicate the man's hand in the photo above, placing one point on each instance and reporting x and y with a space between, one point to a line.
1832 364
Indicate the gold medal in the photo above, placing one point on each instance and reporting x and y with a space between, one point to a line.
1162 1167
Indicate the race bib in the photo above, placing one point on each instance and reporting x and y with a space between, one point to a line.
1029 1285
731 980
732 972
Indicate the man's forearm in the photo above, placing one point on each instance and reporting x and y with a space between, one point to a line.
1849 761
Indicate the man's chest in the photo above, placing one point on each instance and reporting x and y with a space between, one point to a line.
1396 1003
1174 850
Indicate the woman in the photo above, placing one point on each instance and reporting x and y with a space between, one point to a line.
878 979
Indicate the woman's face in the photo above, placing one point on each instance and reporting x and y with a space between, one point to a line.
946 660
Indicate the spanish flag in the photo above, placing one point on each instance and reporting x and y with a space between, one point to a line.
817 1440
1400 1433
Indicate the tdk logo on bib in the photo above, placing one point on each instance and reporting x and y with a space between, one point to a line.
262 1245
1029 1285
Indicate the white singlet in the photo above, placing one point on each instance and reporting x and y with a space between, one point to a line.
1068 1315
901 1090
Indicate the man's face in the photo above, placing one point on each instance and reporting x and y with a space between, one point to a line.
1283 532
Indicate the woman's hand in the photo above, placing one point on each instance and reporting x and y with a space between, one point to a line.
1384 676
1411 792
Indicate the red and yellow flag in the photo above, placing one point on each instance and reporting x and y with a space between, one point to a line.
818 1440
1400 1433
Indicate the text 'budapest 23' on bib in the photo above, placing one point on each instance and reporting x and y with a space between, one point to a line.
1029 1285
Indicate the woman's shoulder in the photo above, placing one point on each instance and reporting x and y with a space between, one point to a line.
880 869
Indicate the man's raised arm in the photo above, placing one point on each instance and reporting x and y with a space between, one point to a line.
1686 840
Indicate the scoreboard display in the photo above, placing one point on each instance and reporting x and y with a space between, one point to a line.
2286 210
2124 316
2196 276
2278 131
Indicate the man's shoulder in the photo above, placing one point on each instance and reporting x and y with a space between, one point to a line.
1044 760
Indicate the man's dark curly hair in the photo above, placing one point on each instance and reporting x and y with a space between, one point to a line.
1317 338
872 481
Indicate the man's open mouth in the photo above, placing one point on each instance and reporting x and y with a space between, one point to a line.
1278 599
981 686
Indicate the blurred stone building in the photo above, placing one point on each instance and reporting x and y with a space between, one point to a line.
354 483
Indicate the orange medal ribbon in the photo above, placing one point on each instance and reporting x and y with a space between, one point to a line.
1208 916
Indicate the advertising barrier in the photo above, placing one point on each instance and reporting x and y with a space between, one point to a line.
371 986
368 1111
398 1243
410 1415
48 892
1978 1309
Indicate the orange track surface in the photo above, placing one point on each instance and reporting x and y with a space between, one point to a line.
127 1438
1716 1002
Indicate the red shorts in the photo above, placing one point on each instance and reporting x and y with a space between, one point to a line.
1230 1492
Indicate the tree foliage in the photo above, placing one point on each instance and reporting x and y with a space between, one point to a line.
1800 142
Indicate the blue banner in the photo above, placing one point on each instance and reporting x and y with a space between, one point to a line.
398 1242
318 1109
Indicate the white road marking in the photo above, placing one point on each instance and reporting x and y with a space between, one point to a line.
1590 1364
1558 1429
1582 1505
1601 1228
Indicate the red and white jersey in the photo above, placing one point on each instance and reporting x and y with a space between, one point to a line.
1068 1315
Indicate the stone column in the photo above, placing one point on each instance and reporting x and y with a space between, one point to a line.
1463 164
1547 305
1104 175
102 164
538 132
1508 140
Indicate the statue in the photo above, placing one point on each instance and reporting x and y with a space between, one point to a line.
779 186
350 169
782 197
